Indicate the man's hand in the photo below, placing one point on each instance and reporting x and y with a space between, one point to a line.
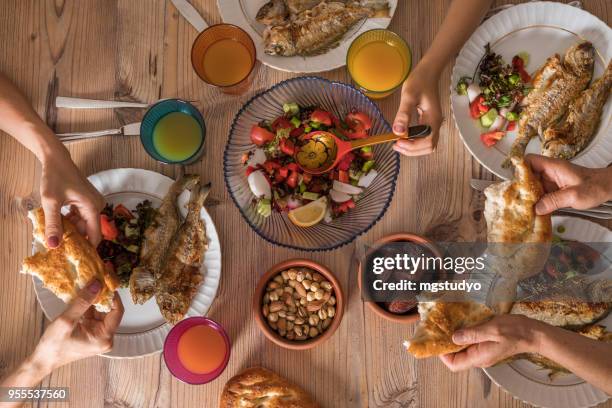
569 185
419 93
79 332
493 341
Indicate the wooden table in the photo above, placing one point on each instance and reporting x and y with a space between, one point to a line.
139 50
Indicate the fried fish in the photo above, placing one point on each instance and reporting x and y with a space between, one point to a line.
576 131
180 276
556 84
314 31
276 12
273 13
157 239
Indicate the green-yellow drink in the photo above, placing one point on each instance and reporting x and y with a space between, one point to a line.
177 136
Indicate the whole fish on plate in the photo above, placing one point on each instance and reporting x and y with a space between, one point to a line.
556 84
576 131
314 31
181 276
157 239
276 12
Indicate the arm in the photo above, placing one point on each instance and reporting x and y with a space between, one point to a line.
79 332
61 181
508 335
420 91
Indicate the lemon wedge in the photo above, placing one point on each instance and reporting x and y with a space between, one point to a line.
309 214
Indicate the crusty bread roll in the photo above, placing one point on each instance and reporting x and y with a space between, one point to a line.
439 320
258 387
69 267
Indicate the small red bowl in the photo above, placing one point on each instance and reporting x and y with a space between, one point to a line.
171 355
412 315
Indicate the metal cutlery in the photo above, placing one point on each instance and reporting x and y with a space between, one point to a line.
190 14
80 103
603 211
127 130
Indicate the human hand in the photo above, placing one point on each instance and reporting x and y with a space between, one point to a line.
63 184
493 341
420 93
569 185
79 332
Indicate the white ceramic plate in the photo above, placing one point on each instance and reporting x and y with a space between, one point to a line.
143 329
541 29
242 13
528 382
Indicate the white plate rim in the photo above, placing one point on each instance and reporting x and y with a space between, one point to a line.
149 342
542 395
540 13
232 13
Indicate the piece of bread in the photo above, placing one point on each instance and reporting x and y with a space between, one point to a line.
258 387
439 320
70 266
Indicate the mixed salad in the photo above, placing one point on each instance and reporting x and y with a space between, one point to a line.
122 235
495 93
279 184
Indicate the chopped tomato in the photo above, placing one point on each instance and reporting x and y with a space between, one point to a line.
249 170
518 63
307 178
354 119
345 206
283 171
478 108
292 180
281 123
321 116
121 211
261 136
525 77
278 177
356 134
244 158
287 147
293 166
108 228
271 165
490 138
337 123
511 126
343 176
297 132
346 161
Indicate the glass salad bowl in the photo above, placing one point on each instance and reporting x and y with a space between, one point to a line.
277 228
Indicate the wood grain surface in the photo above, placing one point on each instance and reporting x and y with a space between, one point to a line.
139 50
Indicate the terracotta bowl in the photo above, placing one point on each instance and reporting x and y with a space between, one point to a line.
412 315
262 321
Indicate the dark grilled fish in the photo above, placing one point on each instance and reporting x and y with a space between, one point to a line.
572 135
556 84
181 276
157 238
273 13
314 31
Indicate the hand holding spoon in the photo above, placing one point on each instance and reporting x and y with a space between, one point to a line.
323 150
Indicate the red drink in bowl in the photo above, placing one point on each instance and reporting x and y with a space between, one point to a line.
197 350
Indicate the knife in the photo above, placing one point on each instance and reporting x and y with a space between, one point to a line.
190 14
603 209
80 103
127 130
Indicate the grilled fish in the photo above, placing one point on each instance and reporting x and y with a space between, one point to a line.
273 13
576 304
181 276
556 84
314 31
571 136
157 238
276 12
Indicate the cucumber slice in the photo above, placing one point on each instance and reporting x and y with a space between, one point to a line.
488 118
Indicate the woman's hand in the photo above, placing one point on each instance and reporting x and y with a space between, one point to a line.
569 185
63 184
493 341
79 332
420 94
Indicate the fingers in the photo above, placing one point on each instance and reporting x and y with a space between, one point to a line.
476 334
113 318
417 147
474 356
555 200
402 118
91 217
86 297
53 222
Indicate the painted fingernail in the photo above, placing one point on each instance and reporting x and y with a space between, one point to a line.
94 287
399 128
53 242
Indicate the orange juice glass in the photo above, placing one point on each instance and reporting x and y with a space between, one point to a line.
378 62
224 56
